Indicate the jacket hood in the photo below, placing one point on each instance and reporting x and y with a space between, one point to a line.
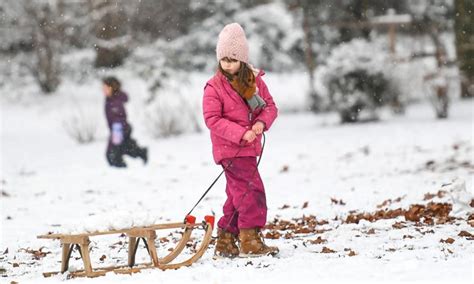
119 96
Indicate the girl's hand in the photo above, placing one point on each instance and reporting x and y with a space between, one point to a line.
258 127
249 136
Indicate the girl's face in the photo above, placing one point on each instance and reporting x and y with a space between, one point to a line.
107 90
230 65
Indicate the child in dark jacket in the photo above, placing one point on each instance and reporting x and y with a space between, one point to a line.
120 140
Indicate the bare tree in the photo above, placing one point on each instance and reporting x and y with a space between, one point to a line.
307 9
46 43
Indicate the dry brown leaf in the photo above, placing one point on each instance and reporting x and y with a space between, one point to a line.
337 202
303 231
429 196
284 169
448 241
305 205
398 225
37 254
370 232
355 217
385 203
272 235
389 201
318 241
288 236
164 240
439 194
327 250
429 164
465 234
413 214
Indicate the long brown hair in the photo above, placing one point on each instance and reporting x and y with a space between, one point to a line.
244 75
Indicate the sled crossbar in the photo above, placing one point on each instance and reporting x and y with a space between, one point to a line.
135 234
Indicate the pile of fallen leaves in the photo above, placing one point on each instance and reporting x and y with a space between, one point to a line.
429 214
421 215
36 254
289 228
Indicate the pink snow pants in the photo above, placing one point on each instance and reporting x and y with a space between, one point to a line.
246 205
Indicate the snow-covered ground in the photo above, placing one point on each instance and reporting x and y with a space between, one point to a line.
50 183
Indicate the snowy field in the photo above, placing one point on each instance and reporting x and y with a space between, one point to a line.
50 183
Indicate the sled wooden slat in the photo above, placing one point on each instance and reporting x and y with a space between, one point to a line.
196 256
103 270
147 234
152 227
179 247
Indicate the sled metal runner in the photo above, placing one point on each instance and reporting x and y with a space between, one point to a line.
135 234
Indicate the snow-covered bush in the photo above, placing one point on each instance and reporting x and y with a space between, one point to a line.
169 109
273 36
171 113
355 77
78 66
440 86
80 125
269 28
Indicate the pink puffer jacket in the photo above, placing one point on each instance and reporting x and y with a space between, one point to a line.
228 117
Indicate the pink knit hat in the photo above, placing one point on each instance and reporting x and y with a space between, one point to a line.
232 43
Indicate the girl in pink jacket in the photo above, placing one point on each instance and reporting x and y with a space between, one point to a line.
238 108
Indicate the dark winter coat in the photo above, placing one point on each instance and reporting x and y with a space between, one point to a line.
115 110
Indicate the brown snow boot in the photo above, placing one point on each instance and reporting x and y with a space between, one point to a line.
226 245
252 245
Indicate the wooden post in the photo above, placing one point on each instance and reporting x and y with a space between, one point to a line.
392 31
67 248
132 250
150 240
68 243
86 257
150 237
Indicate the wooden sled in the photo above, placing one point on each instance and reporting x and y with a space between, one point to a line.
147 234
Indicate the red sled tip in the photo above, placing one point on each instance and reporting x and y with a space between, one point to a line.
190 219
210 220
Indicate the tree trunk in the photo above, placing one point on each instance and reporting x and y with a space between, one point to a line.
441 100
464 31
310 59
111 33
